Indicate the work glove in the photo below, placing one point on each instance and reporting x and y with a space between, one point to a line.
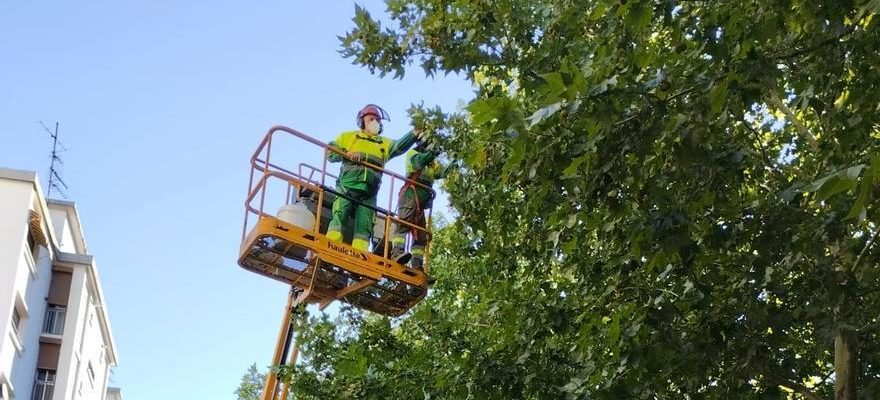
429 139
356 156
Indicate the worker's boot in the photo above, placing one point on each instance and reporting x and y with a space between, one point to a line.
400 256
402 259
379 249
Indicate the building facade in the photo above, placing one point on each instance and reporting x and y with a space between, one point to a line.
55 337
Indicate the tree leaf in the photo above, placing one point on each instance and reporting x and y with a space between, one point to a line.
482 111
554 88
544 113
836 182
718 96
571 170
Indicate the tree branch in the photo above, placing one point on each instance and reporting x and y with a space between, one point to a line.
867 246
869 327
797 53
639 114
681 93
776 101
760 143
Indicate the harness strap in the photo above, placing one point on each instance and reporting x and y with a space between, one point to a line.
419 214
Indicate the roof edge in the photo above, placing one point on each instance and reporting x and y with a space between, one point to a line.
18 175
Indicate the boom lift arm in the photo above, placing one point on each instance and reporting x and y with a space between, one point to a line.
319 270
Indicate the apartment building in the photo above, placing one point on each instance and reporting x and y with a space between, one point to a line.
55 337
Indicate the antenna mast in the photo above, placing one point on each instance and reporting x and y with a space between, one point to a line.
55 181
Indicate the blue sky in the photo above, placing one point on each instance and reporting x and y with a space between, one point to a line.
161 104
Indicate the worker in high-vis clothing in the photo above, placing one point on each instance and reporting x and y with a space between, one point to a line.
358 184
421 166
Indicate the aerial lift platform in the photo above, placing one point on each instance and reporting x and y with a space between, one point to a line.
319 270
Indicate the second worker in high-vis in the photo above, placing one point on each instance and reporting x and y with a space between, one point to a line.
358 183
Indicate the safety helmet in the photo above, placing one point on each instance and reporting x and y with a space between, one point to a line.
374 110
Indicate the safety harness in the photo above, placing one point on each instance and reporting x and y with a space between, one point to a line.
419 217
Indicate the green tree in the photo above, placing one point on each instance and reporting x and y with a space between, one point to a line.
657 200
251 386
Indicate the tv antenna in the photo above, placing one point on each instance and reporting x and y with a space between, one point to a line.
55 181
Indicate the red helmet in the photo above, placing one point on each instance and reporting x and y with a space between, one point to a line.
374 110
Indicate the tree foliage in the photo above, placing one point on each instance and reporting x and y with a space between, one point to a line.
656 199
251 386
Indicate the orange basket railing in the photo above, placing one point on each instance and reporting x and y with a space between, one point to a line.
315 179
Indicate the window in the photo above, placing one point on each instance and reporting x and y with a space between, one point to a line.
33 247
44 384
54 322
16 319
32 243
19 323
91 372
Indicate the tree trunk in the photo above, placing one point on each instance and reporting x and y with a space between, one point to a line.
846 358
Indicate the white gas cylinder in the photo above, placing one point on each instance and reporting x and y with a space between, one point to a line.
297 214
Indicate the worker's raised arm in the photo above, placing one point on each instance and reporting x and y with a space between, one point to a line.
420 160
401 145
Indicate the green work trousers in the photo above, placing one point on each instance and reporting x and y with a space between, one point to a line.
363 216
412 211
